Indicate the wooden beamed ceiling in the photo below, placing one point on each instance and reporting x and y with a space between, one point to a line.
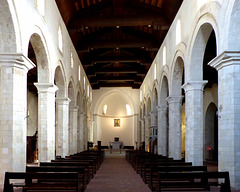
117 40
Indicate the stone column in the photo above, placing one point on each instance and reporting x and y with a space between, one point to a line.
175 126
46 121
62 117
13 113
153 117
136 130
142 130
194 121
81 132
146 127
162 130
73 113
228 66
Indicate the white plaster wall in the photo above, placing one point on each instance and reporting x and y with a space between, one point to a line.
116 100
32 115
124 132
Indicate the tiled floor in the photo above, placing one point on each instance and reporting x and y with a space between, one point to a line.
117 175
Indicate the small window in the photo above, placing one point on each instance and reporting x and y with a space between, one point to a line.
72 61
104 111
164 56
155 71
128 108
60 39
178 32
88 90
84 82
79 73
140 95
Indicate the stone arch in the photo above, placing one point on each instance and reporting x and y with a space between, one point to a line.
163 118
43 69
211 133
164 91
196 68
122 93
60 81
177 77
204 27
71 93
116 101
9 27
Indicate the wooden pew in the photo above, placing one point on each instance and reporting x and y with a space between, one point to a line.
152 180
30 183
76 164
92 163
168 180
83 174
147 167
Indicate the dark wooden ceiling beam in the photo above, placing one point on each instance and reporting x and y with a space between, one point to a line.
92 71
126 84
134 78
114 59
118 44
114 21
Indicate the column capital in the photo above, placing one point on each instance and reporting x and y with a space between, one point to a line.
162 108
174 99
63 100
17 60
74 108
46 87
194 85
225 59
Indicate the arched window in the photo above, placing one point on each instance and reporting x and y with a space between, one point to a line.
84 82
178 32
79 73
88 91
140 95
72 61
128 108
60 39
104 111
164 56
155 71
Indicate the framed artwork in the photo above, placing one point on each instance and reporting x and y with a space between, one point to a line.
116 122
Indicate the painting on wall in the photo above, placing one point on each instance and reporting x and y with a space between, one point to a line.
116 122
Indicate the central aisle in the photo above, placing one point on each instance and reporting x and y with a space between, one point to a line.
116 175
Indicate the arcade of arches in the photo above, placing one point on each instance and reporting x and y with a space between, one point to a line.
188 104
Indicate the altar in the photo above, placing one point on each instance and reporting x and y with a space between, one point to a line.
116 145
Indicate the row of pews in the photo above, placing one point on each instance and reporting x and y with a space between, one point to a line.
161 173
69 174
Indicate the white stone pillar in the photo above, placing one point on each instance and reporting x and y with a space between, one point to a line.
175 127
46 121
13 113
142 130
146 126
162 130
136 130
194 121
228 66
62 117
73 113
81 132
